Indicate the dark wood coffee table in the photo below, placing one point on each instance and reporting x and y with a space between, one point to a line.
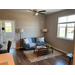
35 48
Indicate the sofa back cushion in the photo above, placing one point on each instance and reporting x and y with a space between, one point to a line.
30 40
33 40
26 40
40 39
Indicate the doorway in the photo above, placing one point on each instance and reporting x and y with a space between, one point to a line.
8 32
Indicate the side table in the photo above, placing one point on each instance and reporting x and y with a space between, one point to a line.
70 55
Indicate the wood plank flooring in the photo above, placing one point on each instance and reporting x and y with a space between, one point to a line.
21 59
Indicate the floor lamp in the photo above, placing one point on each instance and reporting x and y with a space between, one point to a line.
44 31
21 31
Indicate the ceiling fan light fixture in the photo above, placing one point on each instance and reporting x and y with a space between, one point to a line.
36 14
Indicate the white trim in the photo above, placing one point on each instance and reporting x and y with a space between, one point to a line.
66 22
11 26
64 27
61 50
65 38
58 32
7 20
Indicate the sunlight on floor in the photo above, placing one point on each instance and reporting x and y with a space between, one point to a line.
59 63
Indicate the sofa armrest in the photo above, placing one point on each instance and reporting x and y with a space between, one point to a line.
26 46
46 41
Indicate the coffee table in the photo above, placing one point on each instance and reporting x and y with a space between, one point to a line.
39 49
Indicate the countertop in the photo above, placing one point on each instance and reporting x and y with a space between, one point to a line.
7 57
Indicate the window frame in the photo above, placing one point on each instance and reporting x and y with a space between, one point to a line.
65 28
11 27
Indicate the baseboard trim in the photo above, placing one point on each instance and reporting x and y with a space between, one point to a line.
18 47
61 50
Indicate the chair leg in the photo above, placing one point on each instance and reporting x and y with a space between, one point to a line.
69 61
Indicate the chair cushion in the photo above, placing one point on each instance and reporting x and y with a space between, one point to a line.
3 51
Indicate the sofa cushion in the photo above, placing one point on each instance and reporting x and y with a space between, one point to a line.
33 40
32 44
40 43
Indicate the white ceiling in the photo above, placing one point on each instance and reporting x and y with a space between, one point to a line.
48 11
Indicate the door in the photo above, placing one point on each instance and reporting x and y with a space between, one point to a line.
10 32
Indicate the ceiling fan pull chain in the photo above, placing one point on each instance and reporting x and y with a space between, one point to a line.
35 19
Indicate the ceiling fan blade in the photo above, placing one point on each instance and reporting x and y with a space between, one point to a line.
30 10
42 11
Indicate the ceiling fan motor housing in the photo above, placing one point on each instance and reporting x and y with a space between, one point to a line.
38 12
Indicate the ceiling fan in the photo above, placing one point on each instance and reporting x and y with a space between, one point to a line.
36 12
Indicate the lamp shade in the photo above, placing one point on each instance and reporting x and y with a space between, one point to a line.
20 30
44 30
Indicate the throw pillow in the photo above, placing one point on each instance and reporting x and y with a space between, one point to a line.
38 39
30 40
41 39
26 40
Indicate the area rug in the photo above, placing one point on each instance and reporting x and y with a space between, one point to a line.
33 56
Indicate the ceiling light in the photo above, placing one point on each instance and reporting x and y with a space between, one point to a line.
36 14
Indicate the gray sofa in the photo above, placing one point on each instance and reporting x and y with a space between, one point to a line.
27 47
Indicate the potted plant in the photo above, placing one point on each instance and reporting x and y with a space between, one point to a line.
47 45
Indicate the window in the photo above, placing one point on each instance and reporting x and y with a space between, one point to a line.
66 27
8 27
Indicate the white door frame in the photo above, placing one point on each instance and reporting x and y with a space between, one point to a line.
14 29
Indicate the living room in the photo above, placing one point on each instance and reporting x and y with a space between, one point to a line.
32 26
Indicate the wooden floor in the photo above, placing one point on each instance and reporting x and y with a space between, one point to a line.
21 59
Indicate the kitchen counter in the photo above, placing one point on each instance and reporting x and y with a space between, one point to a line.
6 58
